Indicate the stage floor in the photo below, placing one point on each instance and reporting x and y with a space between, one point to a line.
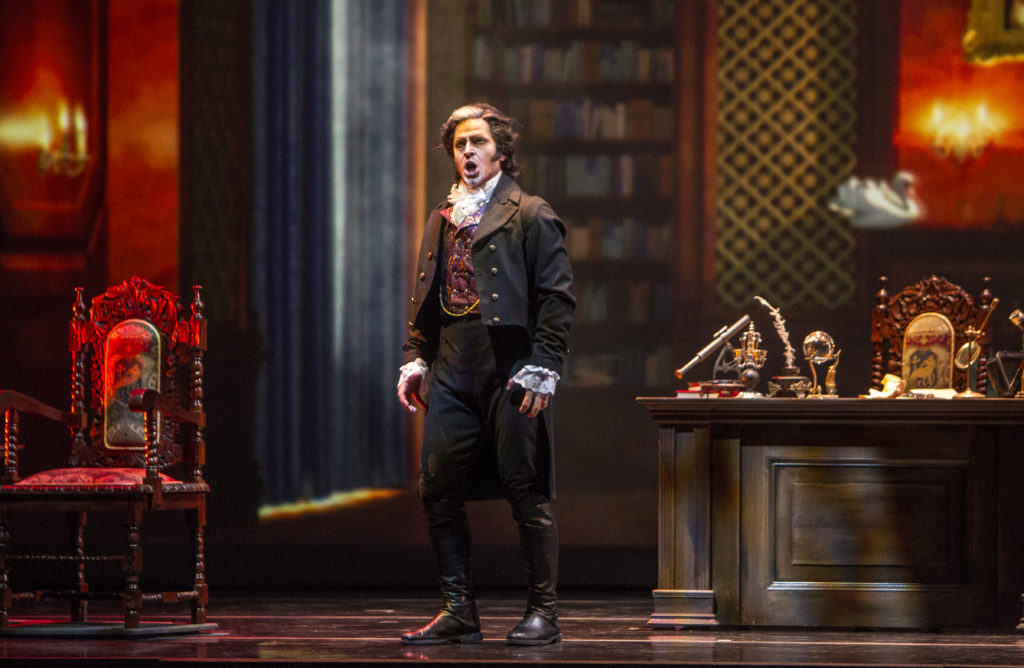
599 628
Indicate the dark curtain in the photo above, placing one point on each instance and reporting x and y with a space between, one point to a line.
328 99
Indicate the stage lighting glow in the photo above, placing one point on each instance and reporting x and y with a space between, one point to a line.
330 503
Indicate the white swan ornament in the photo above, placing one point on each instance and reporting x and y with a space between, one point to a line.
872 203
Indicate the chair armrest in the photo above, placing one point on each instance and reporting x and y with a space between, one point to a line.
143 400
26 404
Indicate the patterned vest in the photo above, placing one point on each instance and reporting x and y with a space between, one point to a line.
458 289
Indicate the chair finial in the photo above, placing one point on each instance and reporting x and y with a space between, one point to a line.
79 308
197 302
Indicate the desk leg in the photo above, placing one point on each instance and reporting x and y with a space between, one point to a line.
684 596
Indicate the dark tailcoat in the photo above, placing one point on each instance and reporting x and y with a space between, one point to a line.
523 279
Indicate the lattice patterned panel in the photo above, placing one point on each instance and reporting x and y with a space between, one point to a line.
785 141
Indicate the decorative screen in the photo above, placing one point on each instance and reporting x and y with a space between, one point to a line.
786 114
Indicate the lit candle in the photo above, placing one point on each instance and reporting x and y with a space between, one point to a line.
63 121
982 114
938 116
80 134
45 135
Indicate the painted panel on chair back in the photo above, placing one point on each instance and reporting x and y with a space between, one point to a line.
135 336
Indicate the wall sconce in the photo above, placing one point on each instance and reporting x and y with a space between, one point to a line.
962 132
66 153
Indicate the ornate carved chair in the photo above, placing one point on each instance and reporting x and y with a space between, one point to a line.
916 333
136 416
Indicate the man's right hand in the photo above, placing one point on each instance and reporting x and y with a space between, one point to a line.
409 384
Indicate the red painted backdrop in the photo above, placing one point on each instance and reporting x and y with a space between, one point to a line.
52 57
116 61
981 192
142 187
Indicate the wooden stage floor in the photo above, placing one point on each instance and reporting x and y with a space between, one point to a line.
607 629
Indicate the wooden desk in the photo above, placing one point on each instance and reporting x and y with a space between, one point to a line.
839 512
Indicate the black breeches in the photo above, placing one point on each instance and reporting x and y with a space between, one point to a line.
472 417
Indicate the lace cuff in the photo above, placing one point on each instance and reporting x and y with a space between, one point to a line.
537 379
409 369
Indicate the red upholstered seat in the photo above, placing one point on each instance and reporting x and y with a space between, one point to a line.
88 477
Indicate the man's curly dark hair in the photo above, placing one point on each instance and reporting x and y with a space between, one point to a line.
504 129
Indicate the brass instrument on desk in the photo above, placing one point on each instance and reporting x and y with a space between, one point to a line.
969 352
721 337
749 358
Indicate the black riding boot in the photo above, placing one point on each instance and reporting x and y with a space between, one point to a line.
538 536
457 621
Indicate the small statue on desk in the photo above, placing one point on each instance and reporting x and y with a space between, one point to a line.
830 376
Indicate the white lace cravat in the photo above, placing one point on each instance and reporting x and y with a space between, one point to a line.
465 201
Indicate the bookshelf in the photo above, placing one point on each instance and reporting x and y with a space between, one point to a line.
594 84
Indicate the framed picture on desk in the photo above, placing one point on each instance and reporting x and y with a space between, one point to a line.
928 352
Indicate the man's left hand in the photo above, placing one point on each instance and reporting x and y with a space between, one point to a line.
534 403
539 384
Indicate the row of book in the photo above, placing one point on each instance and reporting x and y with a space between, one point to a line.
579 62
633 366
638 119
622 302
573 13
625 239
587 176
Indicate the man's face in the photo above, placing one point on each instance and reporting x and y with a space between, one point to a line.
476 154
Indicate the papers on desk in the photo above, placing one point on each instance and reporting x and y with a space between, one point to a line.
893 387
944 393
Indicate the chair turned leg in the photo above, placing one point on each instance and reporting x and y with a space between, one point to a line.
132 597
6 596
196 519
79 587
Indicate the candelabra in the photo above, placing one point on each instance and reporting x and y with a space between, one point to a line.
961 132
66 153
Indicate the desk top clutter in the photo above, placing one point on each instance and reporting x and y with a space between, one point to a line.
930 340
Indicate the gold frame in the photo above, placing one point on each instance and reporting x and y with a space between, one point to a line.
989 38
